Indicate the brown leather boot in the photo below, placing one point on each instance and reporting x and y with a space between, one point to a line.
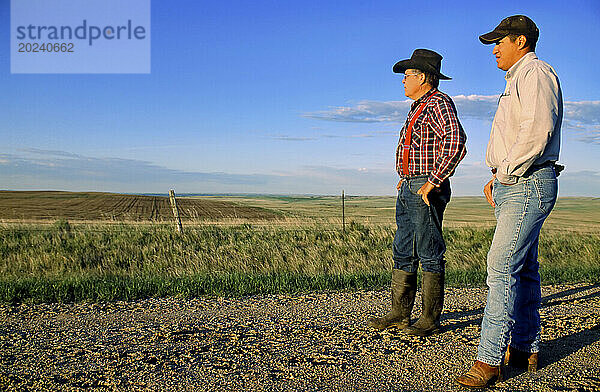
404 289
521 359
480 375
433 302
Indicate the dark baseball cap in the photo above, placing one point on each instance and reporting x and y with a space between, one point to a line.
516 24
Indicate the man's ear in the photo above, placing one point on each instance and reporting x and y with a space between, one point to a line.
522 41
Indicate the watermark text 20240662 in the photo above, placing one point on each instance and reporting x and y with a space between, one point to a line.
56 47
84 32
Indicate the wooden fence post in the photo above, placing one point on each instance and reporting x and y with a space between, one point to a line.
175 210
343 213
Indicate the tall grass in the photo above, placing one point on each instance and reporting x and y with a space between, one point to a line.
108 262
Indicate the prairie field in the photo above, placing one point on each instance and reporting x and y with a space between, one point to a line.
49 206
281 244
578 214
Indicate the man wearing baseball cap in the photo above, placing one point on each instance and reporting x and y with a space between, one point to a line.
522 151
431 144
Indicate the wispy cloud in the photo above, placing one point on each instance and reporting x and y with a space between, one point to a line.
584 119
475 106
584 133
37 166
480 107
288 138
580 116
590 136
40 169
365 112
33 168
50 153
583 112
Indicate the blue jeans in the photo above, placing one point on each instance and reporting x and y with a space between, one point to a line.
419 227
514 296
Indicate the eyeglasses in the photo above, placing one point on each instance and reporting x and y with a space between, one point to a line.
406 75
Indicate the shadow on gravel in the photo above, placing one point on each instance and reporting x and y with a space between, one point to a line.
559 348
552 350
552 300
547 301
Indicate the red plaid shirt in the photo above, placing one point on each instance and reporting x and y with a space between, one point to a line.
438 139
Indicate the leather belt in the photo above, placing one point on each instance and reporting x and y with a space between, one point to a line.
557 167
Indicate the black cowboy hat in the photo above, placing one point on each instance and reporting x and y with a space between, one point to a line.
424 60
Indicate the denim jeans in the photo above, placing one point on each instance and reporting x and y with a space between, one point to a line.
512 311
419 227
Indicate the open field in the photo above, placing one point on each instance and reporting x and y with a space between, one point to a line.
576 214
268 245
96 206
579 214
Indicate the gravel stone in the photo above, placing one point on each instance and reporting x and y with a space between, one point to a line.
308 342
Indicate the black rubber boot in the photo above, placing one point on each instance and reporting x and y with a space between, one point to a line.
433 302
404 289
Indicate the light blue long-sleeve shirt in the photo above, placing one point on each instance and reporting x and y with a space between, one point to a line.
526 127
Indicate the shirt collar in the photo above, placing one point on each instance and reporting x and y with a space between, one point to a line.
512 71
424 97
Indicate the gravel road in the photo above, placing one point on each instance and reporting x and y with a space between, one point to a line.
310 342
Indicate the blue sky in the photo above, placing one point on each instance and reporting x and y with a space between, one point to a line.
285 97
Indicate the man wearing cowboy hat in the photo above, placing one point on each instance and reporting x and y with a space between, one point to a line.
522 151
432 143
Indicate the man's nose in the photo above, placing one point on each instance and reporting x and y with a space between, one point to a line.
495 50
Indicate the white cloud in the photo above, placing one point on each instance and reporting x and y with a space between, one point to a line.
583 118
583 112
365 112
580 116
480 107
474 106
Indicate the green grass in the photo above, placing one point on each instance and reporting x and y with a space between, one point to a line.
111 288
64 262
